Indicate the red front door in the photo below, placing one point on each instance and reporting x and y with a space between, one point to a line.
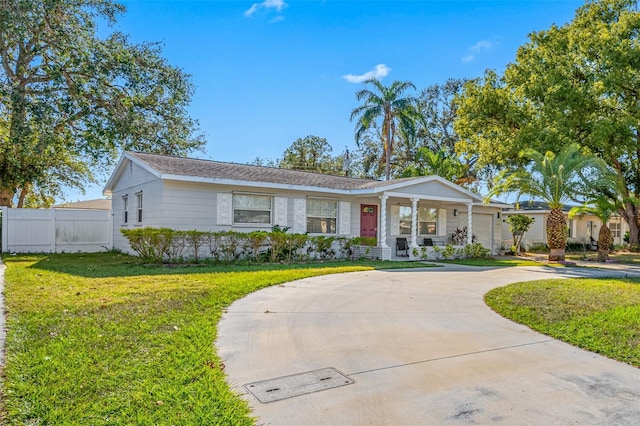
368 220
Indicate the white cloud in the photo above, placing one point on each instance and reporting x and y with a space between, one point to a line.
380 71
278 5
479 47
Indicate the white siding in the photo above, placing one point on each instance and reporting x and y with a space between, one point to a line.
188 206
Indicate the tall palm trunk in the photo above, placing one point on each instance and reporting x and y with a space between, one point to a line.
387 154
556 235
604 243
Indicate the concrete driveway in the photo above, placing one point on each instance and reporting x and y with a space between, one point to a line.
416 347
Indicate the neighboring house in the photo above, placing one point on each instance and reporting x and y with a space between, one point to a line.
97 204
183 193
581 227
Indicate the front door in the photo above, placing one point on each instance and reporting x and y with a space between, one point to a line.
368 220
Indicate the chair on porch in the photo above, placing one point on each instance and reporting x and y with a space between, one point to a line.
428 242
402 245
594 244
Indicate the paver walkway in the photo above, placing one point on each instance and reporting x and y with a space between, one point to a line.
423 349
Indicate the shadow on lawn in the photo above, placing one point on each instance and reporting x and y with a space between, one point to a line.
106 265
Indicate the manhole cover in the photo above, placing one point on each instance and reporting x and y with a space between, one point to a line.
297 384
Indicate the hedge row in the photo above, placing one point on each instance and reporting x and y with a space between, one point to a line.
165 244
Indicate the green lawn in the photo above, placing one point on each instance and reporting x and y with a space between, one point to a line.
102 339
600 315
620 257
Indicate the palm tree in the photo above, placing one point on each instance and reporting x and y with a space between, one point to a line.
608 200
384 103
602 208
441 163
553 178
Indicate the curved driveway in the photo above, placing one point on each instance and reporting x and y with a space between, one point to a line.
422 348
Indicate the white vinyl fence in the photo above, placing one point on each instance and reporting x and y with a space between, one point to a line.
56 230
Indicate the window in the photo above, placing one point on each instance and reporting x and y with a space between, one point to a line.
615 229
125 208
251 209
427 220
322 216
405 220
139 203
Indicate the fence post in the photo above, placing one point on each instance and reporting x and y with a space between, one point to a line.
110 229
52 231
5 230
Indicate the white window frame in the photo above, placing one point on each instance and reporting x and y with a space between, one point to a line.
335 218
139 207
615 228
254 224
125 209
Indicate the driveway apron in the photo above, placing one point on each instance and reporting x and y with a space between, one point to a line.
418 347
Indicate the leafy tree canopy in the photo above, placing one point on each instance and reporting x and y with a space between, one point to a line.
70 100
576 83
311 154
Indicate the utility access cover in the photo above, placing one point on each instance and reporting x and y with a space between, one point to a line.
297 384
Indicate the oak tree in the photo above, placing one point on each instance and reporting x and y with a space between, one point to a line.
72 97
575 83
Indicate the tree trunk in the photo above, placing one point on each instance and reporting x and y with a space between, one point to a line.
604 243
630 215
556 235
23 194
387 154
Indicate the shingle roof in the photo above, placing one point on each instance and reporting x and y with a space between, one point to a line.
98 204
171 165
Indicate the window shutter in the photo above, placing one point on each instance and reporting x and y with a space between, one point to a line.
442 222
280 215
225 208
394 219
344 210
299 216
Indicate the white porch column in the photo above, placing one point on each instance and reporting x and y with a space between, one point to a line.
382 229
469 223
414 222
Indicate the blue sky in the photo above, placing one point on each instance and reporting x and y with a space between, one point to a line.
267 73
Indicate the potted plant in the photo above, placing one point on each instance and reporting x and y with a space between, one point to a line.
502 250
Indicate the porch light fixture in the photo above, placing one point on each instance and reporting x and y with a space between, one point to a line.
455 212
498 215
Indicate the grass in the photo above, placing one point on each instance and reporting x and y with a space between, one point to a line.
619 256
599 315
102 339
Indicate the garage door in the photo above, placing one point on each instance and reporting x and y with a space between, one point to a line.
483 228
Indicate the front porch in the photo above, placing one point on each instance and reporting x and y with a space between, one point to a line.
419 225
